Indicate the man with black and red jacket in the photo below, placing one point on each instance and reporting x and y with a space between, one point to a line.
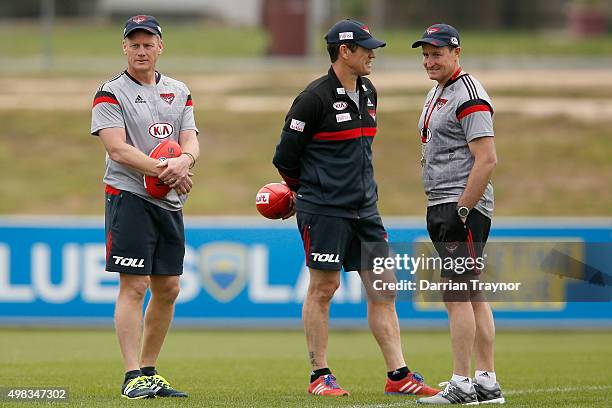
325 156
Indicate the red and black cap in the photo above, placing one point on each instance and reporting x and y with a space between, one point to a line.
352 31
439 35
142 22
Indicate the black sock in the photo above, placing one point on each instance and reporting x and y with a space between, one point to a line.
398 374
317 373
148 371
131 374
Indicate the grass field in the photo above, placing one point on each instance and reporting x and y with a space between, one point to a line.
79 38
553 141
547 166
270 368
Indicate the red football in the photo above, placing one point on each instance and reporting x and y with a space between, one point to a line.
273 200
165 150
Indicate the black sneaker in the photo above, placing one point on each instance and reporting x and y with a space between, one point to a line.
162 388
137 388
451 394
489 395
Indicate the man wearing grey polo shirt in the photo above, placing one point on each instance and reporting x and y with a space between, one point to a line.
458 158
145 238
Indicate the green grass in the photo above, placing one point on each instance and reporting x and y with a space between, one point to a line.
270 368
91 39
508 44
547 166
77 38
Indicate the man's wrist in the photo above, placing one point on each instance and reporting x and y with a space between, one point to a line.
191 158
463 211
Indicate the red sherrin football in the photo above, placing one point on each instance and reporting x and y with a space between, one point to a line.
273 200
165 150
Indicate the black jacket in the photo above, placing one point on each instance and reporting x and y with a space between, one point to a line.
325 149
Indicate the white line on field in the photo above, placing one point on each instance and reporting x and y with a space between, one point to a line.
559 389
509 392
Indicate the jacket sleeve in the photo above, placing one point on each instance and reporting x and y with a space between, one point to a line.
300 124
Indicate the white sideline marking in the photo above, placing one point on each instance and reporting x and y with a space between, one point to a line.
506 393
558 389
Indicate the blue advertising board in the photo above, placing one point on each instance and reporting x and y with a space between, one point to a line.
240 272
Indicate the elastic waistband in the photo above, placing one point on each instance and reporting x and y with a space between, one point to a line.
307 207
112 190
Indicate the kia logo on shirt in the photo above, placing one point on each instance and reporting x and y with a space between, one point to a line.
340 105
161 130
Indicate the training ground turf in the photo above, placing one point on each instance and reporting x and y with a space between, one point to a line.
270 369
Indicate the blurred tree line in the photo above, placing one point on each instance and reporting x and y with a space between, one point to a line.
32 8
588 16
478 14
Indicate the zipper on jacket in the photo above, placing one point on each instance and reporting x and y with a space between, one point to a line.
363 186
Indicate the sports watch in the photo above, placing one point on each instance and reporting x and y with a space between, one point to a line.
463 212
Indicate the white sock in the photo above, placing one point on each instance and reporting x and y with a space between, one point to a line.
486 378
465 383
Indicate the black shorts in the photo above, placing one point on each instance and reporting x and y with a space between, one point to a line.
453 239
141 237
334 242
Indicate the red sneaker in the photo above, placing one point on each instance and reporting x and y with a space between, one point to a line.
326 385
412 384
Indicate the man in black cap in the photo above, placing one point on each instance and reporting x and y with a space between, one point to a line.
145 240
458 158
325 156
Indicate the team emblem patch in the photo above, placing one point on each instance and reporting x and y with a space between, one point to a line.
372 113
432 30
340 105
139 19
223 269
365 28
346 35
168 97
440 103
451 247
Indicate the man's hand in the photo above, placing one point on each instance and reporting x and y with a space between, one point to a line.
184 186
291 212
174 171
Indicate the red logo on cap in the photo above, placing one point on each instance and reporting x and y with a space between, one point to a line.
139 19
365 28
432 30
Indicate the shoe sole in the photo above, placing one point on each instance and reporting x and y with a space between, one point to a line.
321 395
501 400
138 398
413 395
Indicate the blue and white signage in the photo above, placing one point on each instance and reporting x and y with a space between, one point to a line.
237 272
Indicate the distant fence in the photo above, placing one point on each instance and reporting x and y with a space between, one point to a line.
242 272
